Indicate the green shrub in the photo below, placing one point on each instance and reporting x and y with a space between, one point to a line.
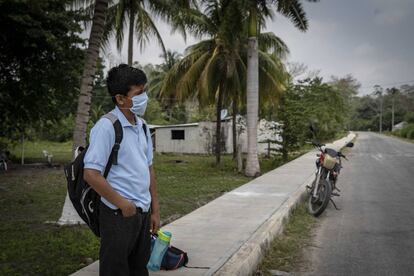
397 132
4 143
58 131
409 117
406 132
410 131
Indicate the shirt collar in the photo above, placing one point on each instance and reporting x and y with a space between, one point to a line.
123 120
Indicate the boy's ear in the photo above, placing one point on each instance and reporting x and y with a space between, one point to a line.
119 99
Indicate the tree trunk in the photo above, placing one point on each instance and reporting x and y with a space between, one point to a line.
239 159
268 148
131 39
69 215
218 123
22 157
89 70
252 164
285 147
285 155
234 129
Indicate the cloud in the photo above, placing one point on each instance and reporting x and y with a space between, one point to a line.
390 17
391 12
368 38
364 49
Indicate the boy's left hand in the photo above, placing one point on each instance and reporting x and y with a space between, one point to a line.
155 222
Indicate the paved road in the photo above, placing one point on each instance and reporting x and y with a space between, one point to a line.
373 233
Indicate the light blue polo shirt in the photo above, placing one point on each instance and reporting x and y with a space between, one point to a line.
131 177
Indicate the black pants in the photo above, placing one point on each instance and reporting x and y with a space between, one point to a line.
125 243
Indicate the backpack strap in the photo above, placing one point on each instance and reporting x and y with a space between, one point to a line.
113 157
144 127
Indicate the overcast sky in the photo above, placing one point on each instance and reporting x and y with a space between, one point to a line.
371 39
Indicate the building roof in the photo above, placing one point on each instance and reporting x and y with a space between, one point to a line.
401 124
173 126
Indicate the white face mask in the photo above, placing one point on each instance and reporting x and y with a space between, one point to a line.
139 104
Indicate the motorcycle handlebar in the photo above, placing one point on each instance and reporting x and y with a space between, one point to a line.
340 154
316 144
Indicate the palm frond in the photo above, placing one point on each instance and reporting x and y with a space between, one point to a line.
148 27
172 11
82 4
293 10
193 21
174 75
202 46
120 23
109 30
272 77
210 79
188 82
270 42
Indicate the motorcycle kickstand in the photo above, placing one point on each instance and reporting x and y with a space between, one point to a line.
335 205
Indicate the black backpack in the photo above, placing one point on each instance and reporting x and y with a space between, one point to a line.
86 200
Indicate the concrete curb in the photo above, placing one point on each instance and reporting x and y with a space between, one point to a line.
247 258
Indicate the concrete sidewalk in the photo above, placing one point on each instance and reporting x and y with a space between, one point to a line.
228 235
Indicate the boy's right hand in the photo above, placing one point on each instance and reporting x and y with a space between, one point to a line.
128 209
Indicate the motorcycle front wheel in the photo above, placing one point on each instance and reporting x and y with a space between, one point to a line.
318 204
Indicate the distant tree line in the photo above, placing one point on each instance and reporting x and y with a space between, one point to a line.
366 114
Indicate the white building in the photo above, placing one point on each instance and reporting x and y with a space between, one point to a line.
200 137
399 126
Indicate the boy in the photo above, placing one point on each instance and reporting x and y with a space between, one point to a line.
129 210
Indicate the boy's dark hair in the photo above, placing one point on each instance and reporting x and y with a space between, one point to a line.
122 77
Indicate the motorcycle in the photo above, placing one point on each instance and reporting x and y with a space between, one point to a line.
323 188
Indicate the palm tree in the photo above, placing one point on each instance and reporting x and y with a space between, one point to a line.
100 7
214 70
137 15
272 76
259 10
156 78
210 68
89 70
170 10
158 74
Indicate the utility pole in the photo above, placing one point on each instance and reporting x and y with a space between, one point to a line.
380 129
393 92
378 92
392 116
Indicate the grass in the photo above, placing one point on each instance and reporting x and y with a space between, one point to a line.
285 252
33 151
391 134
31 196
28 246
